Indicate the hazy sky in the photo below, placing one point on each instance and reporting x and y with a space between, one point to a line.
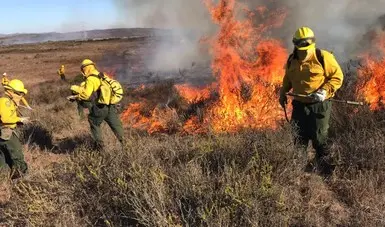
53 15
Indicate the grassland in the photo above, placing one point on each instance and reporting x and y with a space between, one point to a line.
250 178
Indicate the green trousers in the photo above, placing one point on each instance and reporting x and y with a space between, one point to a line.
63 77
11 155
312 123
109 114
83 105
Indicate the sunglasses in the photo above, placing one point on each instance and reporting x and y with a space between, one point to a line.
303 42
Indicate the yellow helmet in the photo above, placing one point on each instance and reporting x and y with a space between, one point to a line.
62 66
304 38
16 86
86 62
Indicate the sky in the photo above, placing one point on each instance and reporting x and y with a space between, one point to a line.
35 16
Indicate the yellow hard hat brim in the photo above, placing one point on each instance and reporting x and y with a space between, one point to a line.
25 91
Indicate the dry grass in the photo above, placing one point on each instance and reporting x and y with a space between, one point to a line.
251 178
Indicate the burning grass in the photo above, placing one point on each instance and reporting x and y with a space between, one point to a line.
372 75
249 178
185 173
247 72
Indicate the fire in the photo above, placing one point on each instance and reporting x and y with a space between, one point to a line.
371 75
109 71
141 87
192 94
248 67
132 116
247 94
159 120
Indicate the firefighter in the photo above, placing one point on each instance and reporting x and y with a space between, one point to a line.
316 74
61 73
100 110
11 153
4 79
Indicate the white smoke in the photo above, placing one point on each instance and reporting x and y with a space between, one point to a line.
338 25
188 21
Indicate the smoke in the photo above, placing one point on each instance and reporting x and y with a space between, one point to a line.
187 21
339 25
182 14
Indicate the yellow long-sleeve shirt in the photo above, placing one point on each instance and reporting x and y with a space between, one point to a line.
92 84
309 76
8 113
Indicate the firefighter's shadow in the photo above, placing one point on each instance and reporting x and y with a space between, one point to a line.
70 144
37 135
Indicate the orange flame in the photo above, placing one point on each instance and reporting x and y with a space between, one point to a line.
248 67
160 120
193 94
245 63
372 75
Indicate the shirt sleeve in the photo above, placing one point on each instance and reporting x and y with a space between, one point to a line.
333 73
92 84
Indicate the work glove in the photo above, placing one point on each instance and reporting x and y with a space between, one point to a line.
319 95
28 108
25 120
71 98
282 99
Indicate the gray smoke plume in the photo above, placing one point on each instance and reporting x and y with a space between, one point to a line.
188 21
339 25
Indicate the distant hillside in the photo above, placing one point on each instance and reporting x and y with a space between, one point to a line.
81 35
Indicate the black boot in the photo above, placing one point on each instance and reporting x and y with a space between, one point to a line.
325 165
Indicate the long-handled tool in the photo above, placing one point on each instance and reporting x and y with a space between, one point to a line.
334 100
284 109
